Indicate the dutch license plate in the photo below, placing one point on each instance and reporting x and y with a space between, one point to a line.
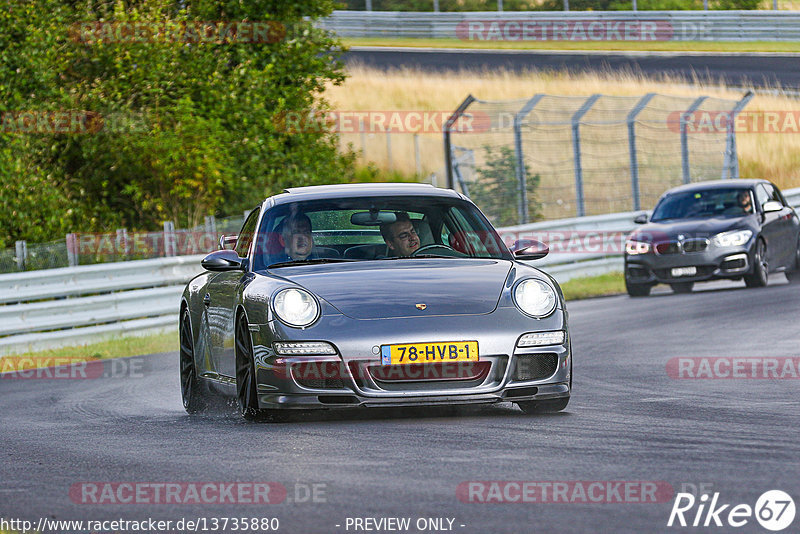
442 351
683 271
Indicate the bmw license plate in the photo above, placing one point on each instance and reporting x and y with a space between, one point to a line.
446 351
683 271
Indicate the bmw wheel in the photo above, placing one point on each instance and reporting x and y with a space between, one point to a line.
193 390
794 275
246 395
760 275
637 290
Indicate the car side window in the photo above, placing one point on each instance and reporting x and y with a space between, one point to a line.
762 196
246 235
773 193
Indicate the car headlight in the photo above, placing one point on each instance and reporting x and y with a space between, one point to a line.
733 239
535 297
633 247
295 307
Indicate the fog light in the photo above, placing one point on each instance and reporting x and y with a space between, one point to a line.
537 339
288 348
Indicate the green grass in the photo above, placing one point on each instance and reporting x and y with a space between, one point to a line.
112 348
633 46
594 286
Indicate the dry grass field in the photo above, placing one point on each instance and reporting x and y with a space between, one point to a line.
775 156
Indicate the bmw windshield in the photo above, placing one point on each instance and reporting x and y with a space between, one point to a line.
733 202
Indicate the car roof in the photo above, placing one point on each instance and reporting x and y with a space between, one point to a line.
740 183
315 192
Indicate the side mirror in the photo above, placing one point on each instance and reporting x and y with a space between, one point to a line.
529 249
222 260
772 206
640 219
225 240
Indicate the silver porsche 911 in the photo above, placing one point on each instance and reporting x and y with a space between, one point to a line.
372 295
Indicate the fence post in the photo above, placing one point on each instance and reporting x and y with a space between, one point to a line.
122 241
21 249
731 167
632 148
448 153
210 223
169 239
576 149
520 160
687 176
72 250
388 135
417 161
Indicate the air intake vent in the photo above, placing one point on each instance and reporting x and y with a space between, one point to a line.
534 366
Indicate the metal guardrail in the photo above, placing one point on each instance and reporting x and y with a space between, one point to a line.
572 26
76 305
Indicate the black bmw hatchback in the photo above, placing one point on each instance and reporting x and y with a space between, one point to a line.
733 229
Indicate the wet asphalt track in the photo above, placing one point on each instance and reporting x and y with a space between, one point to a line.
627 421
738 70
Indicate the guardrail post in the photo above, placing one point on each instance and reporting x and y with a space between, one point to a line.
731 167
448 152
72 250
417 161
632 148
21 250
122 241
520 160
687 176
576 151
169 239
388 135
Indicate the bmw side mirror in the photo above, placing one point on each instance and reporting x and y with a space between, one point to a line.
640 219
222 260
529 249
772 206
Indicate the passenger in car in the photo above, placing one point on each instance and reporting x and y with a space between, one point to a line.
400 236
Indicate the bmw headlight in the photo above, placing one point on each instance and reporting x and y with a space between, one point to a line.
633 247
535 297
295 307
733 239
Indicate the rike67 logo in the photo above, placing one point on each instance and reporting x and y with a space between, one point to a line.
774 510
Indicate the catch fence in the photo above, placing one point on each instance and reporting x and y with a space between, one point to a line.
553 157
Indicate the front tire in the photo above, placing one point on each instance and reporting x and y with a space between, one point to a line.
682 287
543 406
760 275
246 394
794 275
637 290
193 390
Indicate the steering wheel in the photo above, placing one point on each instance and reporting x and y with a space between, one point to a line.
433 245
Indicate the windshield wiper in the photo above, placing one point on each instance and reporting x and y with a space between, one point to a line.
309 262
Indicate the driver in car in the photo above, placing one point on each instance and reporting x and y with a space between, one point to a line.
296 238
745 202
400 236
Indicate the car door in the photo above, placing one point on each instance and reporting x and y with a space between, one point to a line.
770 226
785 234
220 299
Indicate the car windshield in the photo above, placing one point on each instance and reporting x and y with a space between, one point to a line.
374 228
704 203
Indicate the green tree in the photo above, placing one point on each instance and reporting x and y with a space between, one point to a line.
496 188
189 128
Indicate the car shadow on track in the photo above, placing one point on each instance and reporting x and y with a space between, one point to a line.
503 409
